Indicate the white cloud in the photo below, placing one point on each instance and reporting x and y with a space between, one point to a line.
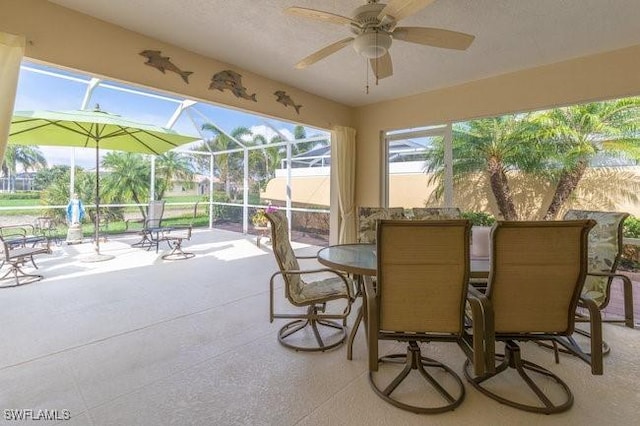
269 133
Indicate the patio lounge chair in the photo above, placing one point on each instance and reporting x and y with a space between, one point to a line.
326 332
423 274
155 211
538 270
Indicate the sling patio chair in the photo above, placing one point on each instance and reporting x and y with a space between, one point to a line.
420 296
367 222
435 213
153 221
319 328
537 273
367 217
605 250
16 255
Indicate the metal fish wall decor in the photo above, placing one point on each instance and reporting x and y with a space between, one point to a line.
163 63
231 80
285 100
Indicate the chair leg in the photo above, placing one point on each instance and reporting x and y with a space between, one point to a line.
19 276
143 242
352 335
334 332
176 251
512 360
413 360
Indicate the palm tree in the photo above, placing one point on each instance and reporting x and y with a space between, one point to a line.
29 157
582 131
56 189
172 165
266 159
128 178
229 166
496 147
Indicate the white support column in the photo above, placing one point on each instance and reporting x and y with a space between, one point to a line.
152 183
288 190
245 194
448 166
211 191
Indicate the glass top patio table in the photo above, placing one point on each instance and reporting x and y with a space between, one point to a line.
360 259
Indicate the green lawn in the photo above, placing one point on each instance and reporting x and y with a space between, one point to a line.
19 203
184 199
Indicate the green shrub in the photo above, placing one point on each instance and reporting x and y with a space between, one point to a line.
224 213
631 227
20 195
479 218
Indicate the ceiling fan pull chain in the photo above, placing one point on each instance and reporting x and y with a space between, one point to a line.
366 72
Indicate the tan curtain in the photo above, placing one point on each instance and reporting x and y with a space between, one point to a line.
343 157
11 52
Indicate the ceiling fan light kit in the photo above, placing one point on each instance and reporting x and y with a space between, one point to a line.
374 26
372 44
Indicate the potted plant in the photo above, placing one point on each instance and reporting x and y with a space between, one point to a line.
259 219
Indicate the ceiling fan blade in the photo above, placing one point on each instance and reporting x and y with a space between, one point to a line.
318 15
382 66
434 37
323 53
400 9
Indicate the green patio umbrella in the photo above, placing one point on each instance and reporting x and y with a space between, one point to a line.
92 129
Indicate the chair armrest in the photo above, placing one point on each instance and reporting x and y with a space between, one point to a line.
484 325
595 321
627 288
18 235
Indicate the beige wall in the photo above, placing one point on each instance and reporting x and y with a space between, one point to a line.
608 75
602 188
69 39
311 190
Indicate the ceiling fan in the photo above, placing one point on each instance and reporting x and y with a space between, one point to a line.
374 26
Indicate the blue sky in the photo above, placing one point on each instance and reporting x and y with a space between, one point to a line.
38 91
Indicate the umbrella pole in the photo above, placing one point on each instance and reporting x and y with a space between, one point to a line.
97 257
97 227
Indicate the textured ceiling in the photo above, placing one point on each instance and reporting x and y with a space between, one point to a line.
256 35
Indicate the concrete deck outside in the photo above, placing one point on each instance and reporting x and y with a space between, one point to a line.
142 341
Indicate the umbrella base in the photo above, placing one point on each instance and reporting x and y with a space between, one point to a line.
97 257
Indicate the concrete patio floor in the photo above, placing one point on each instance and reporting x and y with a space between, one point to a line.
142 341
